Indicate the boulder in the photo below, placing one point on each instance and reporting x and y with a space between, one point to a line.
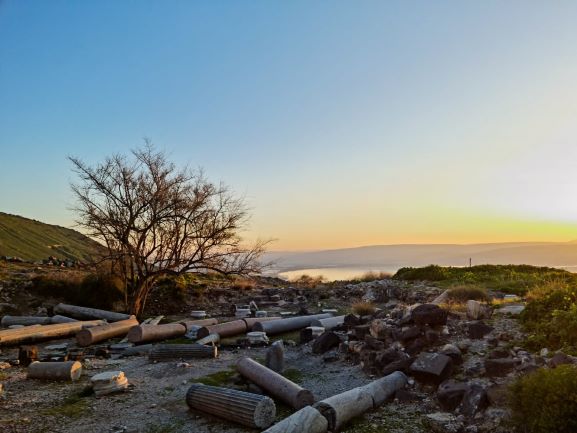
474 400
477 311
442 422
325 342
559 359
450 394
477 330
432 367
454 352
429 314
499 367
380 329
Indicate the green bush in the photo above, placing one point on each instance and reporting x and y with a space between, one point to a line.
462 293
550 317
428 273
515 279
545 401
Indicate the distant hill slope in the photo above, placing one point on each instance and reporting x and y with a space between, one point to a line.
33 240
560 254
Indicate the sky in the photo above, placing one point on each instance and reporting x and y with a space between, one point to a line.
341 123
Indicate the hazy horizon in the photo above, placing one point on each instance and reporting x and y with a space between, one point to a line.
342 124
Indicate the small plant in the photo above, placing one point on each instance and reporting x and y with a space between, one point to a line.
545 401
373 276
308 281
363 308
465 292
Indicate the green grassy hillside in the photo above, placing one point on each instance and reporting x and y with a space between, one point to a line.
33 240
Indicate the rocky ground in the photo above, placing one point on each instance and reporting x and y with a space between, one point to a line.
459 364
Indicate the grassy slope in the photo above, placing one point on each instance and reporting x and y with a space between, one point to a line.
33 240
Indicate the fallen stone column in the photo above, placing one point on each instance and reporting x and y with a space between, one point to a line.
250 321
34 333
193 323
209 339
227 329
89 313
69 370
306 420
24 320
251 410
287 325
143 349
382 389
329 323
441 299
161 352
146 333
276 385
341 408
62 319
90 336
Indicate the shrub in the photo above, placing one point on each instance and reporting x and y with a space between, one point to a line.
550 317
308 281
545 401
363 308
428 273
372 276
462 293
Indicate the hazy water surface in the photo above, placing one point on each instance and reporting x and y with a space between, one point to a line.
336 273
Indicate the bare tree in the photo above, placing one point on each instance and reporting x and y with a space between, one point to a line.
156 219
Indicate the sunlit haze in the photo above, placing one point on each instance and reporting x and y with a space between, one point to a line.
342 123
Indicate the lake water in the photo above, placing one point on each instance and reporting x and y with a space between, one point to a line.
349 273
336 273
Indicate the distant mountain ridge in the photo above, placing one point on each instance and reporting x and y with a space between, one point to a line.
33 240
558 254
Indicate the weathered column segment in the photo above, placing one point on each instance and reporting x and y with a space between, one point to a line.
251 410
69 370
161 352
276 385
90 336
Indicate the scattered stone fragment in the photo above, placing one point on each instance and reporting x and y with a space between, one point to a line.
429 314
325 342
109 382
432 367
477 330
442 422
450 394
453 351
27 355
499 367
275 357
474 400
559 359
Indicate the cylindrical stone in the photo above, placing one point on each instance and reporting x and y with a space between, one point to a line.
33 333
306 420
275 357
385 387
90 336
251 410
62 319
27 355
250 321
287 325
24 320
227 329
202 322
162 352
329 323
89 313
146 333
341 408
276 385
209 339
69 370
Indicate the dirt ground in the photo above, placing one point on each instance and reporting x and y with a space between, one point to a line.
155 402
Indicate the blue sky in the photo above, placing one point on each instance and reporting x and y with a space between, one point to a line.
343 123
